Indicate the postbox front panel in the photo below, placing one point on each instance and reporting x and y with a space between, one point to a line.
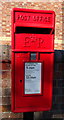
45 18
32 60
29 41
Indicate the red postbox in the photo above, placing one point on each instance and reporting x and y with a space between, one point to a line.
32 59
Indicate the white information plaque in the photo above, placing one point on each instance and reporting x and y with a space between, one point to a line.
32 78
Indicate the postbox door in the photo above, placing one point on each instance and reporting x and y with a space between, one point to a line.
33 101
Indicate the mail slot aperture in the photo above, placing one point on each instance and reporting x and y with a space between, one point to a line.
34 30
32 59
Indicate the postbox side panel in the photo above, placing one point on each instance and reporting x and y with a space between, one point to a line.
42 101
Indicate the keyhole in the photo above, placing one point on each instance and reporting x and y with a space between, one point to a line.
20 80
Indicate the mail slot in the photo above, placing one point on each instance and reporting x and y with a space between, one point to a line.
32 59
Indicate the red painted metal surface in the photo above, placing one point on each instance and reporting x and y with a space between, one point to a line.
32 32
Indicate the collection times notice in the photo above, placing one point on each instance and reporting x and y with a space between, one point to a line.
32 78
